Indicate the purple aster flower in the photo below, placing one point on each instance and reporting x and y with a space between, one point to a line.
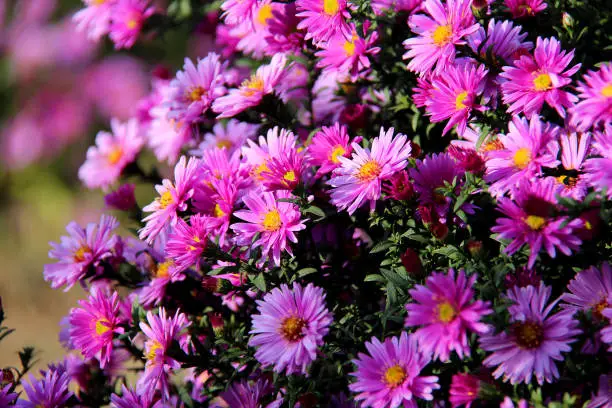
525 8
230 136
290 327
534 340
172 198
195 88
446 309
122 199
162 274
604 394
127 20
274 221
93 325
599 169
6 396
161 332
111 154
249 395
218 203
502 42
327 146
574 150
323 19
590 290
187 242
389 376
595 106
530 219
80 253
50 391
528 146
131 399
359 179
538 79
95 18
438 33
464 390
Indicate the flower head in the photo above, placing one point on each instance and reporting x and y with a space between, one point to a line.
595 93
464 390
389 376
250 395
95 18
534 340
323 19
122 199
574 150
599 169
590 290
289 327
502 42
327 146
525 8
187 242
127 20
230 136
447 311
50 391
132 399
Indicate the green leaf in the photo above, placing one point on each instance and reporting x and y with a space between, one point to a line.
259 281
374 278
316 211
381 246
306 271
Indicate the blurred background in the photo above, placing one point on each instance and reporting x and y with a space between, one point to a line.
57 89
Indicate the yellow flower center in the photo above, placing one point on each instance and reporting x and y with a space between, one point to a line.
442 35
262 168
166 199
460 100
289 176
79 255
542 82
529 335
218 212
252 85
446 312
535 222
264 14
331 7
115 155
527 9
98 2
492 145
567 181
162 270
224 144
337 152
102 326
195 93
154 347
349 48
291 328
522 157
369 171
599 307
131 24
272 220
607 91
588 225
394 376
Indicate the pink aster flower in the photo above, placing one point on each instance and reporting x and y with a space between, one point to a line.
502 42
389 376
590 290
327 145
322 19
534 340
250 93
348 54
540 78
599 169
574 150
359 178
111 154
162 274
446 309
217 201
283 172
95 18
438 33
278 143
93 325
81 252
127 20
172 198
423 90
454 94
236 11
525 8
397 6
50 391
187 242
464 390
275 222
283 34
526 149
530 220
231 135
161 331
166 137
195 88
595 106
289 327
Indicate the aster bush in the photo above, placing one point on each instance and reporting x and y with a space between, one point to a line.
346 203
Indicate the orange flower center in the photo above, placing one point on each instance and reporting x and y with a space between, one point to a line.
529 335
166 199
607 91
289 176
252 85
162 270
599 307
79 255
115 155
442 35
369 171
262 168
492 145
394 376
195 94
218 212
542 82
349 48
224 144
272 220
264 14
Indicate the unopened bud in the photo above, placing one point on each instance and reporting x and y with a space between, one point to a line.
567 20
412 262
216 321
474 247
439 230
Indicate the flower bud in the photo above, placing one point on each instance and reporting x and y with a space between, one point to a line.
122 199
411 261
567 20
474 247
355 116
439 230
216 321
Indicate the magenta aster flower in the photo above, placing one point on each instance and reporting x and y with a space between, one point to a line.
599 169
538 79
525 8
574 150
249 395
389 376
289 328
131 399
595 106
122 199
230 136
278 143
382 6
93 325
94 18
236 11
438 33
590 290
528 146
359 178
323 19
127 19
161 332
162 274
529 220
534 340
252 90
112 152
166 137
327 145
446 308
50 391
274 221
464 390
502 41
82 250
172 198
218 205
187 242
454 94
283 172
195 88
